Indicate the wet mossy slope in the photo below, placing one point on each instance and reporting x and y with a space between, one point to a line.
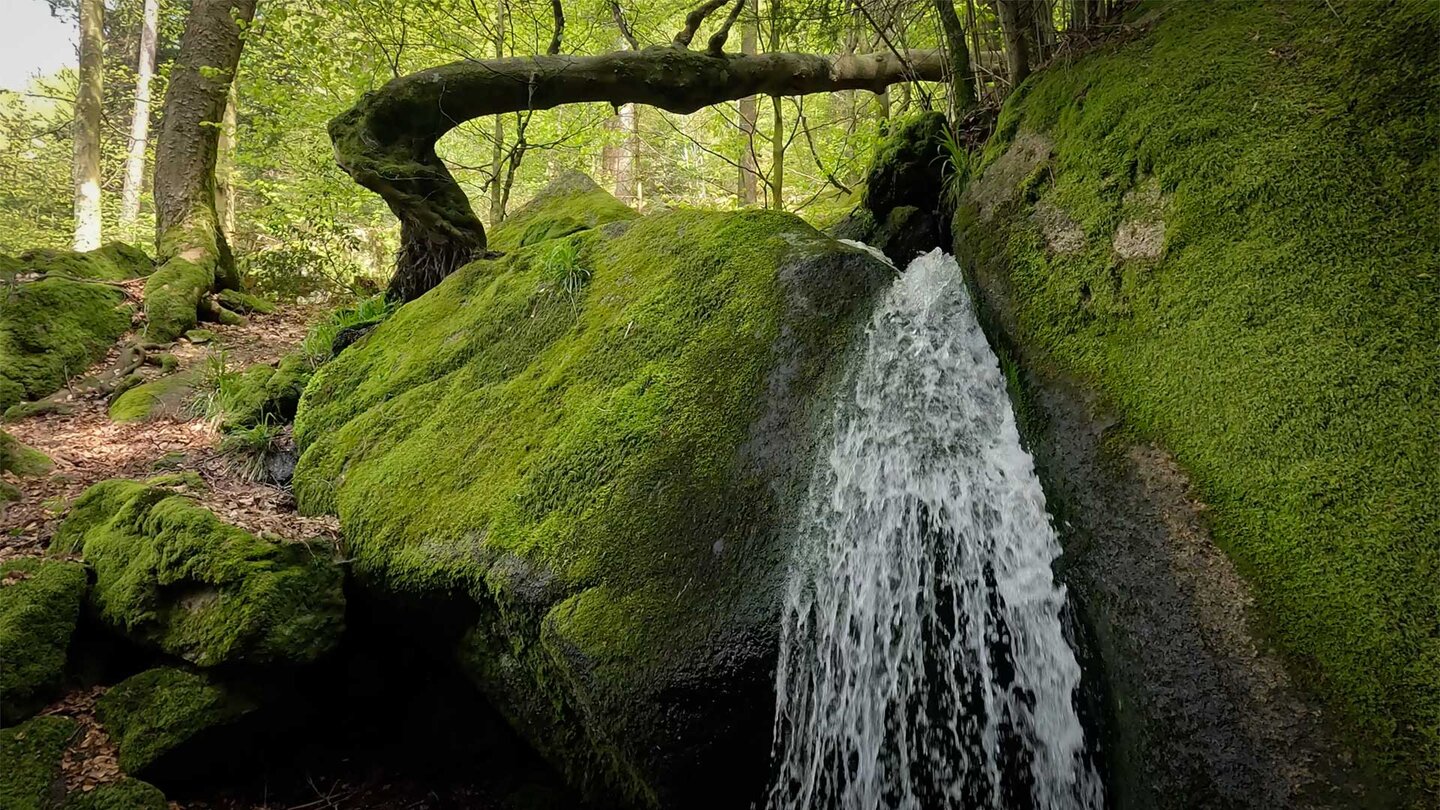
1229 227
595 438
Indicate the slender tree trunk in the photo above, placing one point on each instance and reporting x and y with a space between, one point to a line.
749 181
626 158
1017 49
497 154
194 254
87 124
777 132
225 166
140 120
962 79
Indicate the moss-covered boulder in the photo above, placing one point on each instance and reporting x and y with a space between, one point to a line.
265 392
165 397
156 715
126 794
59 315
169 574
30 756
21 461
597 438
569 204
1229 228
39 606
238 301
902 205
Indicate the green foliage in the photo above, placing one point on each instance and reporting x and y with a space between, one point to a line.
560 270
318 343
53 329
160 710
249 448
39 605
172 575
1282 345
30 756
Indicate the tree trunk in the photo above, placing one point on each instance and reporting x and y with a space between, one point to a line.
225 166
194 254
962 79
386 142
777 128
497 153
749 181
140 120
626 176
1017 48
87 124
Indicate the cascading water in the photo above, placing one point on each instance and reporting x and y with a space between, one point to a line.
923 664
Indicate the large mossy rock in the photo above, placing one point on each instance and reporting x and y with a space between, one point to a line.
20 461
1229 229
598 438
568 204
30 756
169 574
165 719
39 607
902 207
53 328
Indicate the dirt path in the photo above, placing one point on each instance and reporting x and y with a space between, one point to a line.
87 447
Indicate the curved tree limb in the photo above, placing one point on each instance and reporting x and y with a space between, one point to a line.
386 142
693 21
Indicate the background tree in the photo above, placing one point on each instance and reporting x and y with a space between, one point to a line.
88 100
140 119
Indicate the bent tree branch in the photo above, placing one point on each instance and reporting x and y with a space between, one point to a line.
386 142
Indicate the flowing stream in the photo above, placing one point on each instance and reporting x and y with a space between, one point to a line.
923 663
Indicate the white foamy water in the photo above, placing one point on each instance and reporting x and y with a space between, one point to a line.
923 664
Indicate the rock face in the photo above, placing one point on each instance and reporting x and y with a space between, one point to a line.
62 316
39 606
597 439
171 575
1218 366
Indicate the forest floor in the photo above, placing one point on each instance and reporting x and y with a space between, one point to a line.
87 447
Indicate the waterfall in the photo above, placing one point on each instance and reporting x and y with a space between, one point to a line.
923 663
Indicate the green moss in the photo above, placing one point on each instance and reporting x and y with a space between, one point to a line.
907 166
199 336
21 460
127 794
160 710
569 204
165 396
172 575
1283 345
571 452
264 393
30 757
39 606
54 329
244 302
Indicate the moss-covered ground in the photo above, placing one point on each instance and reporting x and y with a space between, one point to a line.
171 574
54 327
1283 343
